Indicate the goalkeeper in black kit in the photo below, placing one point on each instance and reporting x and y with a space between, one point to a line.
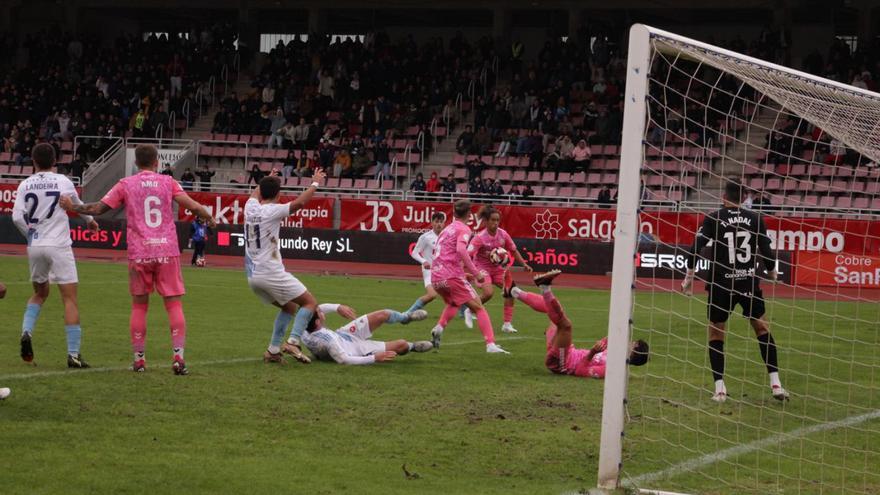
738 240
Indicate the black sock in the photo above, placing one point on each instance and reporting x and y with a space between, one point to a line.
768 352
716 358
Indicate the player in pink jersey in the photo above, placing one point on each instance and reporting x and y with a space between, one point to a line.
562 356
483 243
153 251
448 277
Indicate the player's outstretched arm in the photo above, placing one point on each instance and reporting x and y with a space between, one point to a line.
704 235
306 196
461 247
194 206
97 208
342 357
767 253
416 254
519 259
341 309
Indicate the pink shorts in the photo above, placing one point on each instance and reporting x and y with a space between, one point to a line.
455 291
163 273
494 275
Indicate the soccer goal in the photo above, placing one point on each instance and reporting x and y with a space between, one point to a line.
805 149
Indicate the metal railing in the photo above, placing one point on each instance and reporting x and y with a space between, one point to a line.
484 80
101 162
7 178
459 106
159 131
224 74
472 90
172 117
212 88
185 112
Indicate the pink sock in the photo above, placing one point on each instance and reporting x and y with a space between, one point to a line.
448 314
177 322
508 312
554 309
138 326
485 325
533 301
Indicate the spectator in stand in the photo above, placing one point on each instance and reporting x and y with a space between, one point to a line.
536 152
433 185
449 184
581 155
382 157
187 179
509 141
305 164
562 156
256 175
222 122
528 192
301 134
604 198
342 164
277 129
475 169
418 186
475 186
514 193
482 141
138 123
77 167
836 153
326 154
368 117
205 175
497 190
167 170
465 142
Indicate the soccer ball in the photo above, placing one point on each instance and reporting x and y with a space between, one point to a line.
499 256
200 261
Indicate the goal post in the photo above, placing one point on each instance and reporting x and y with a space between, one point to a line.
805 150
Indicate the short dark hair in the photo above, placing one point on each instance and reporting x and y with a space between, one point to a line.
639 354
43 156
270 187
461 208
733 191
145 155
438 215
487 211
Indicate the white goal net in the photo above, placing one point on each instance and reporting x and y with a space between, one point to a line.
805 150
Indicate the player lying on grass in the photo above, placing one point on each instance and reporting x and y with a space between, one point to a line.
267 277
153 248
47 230
423 253
481 246
562 356
451 257
352 344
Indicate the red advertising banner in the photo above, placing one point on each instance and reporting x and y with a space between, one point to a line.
229 208
527 222
7 197
838 269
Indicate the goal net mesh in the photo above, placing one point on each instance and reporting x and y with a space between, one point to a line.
805 149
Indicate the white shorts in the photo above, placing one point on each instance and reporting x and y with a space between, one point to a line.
52 264
426 275
280 287
356 338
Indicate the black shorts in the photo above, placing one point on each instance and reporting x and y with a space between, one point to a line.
723 300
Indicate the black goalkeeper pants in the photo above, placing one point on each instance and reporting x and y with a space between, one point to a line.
198 251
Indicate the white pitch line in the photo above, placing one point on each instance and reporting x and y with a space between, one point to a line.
43 374
699 462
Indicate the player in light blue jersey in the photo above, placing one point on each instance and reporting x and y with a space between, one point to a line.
423 253
41 220
352 343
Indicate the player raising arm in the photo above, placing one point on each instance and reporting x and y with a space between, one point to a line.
482 245
451 257
153 250
423 253
738 235
267 277
352 344
46 227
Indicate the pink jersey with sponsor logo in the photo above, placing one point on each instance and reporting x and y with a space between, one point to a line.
483 244
148 199
576 362
447 261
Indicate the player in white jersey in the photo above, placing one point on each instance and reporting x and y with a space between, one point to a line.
352 343
4 391
264 267
423 253
45 225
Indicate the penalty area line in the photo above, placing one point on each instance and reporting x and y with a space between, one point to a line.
746 448
107 369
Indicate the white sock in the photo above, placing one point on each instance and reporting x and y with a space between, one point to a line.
437 328
178 352
274 349
138 356
410 344
293 341
774 379
544 288
719 387
515 292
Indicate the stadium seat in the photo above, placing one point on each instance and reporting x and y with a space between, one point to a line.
861 203
360 184
844 202
519 176
333 182
534 177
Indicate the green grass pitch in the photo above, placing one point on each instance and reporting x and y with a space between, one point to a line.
459 420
